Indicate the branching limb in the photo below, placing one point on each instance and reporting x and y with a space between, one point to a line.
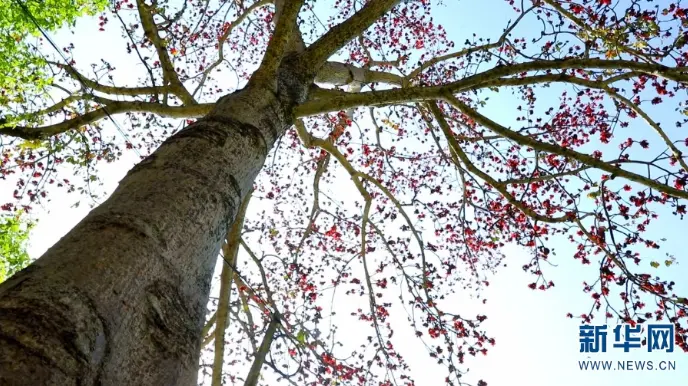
468 51
458 154
342 33
221 43
342 74
416 94
678 154
369 284
46 111
315 210
115 107
601 85
546 177
229 250
206 334
285 30
169 73
111 90
562 151
249 325
263 276
254 373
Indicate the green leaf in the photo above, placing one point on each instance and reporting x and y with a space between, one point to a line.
14 234
22 68
301 337
654 264
31 144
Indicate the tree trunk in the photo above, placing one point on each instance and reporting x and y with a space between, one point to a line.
121 299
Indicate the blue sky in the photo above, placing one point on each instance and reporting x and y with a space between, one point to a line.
536 344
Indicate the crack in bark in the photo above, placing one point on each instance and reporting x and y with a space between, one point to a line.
210 130
235 185
216 129
72 334
167 319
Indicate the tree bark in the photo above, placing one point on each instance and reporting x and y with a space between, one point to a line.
121 299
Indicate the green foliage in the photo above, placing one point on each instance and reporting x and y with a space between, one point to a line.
14 233
22 67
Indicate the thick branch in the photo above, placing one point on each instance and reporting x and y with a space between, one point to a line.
342 33
470 50
168 72
112 90
342 74
562 151
229 252
285 30
457 152
415 94
254 373
43 132
206 334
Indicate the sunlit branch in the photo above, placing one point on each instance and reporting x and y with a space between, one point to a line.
319 171
223 38
556 78
116 107
546 177
112 90
284 33
677 153
339 35
229 251
259 360
415 94
454 55
169 73
206 334
342 74
468 51
457 152
555 149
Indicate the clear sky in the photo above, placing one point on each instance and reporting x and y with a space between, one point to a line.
536 344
